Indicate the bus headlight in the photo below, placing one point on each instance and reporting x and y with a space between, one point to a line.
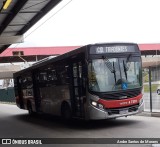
97 105
94 103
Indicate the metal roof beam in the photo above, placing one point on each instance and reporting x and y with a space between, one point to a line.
21 12
44 11
18 24
11 39
6 32
30 12
18 6
5 12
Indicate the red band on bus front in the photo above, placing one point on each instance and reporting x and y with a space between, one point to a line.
120 103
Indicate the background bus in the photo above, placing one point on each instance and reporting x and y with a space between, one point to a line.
98 81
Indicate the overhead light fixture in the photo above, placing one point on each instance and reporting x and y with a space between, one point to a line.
6 4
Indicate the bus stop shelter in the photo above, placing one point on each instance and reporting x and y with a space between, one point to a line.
151 76
18 16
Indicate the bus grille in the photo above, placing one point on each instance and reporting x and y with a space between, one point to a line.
121 95
118 110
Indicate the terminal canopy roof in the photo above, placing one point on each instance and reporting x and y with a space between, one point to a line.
18 16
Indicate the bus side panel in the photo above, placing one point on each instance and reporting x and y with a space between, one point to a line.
52 98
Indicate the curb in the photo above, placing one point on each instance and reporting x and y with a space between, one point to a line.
12 103
149 114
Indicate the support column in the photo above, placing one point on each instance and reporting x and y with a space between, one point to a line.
150 89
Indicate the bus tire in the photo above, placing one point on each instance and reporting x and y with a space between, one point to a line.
66 112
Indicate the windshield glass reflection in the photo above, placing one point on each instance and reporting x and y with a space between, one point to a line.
112 74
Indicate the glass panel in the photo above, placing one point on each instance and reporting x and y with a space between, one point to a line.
146 94
114 74
130 69
101 74
155 82
76 91
80 70
75 81
152 63
75 73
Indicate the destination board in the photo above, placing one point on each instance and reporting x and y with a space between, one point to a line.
113 49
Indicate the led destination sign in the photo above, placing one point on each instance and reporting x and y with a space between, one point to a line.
112 49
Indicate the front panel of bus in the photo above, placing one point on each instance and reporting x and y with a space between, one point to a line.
114 81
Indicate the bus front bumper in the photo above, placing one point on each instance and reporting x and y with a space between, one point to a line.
95 113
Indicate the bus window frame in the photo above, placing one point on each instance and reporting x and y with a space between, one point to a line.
109 55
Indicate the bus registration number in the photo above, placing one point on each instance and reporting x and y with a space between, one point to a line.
123 111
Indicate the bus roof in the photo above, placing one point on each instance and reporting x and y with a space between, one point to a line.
51 59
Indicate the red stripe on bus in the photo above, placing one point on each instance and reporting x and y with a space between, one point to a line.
120 103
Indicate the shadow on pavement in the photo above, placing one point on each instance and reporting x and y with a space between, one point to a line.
53 122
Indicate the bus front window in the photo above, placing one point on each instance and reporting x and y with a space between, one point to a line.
114 74
130 69
103 74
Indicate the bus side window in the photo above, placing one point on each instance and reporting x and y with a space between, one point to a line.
75 72
24 81
80 70
20 80
54 75
82 77
63 75
67 74
42 76
49 76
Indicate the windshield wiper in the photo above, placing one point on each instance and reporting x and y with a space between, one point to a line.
125 69
110 67
114 72
127 63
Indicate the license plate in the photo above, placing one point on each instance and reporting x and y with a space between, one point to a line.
123 111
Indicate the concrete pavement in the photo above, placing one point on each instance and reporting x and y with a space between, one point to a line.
15 122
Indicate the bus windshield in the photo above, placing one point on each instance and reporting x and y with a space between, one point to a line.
113 74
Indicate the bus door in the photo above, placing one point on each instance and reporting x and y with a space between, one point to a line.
78 89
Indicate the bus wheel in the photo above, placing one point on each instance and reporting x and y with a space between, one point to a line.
66 112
